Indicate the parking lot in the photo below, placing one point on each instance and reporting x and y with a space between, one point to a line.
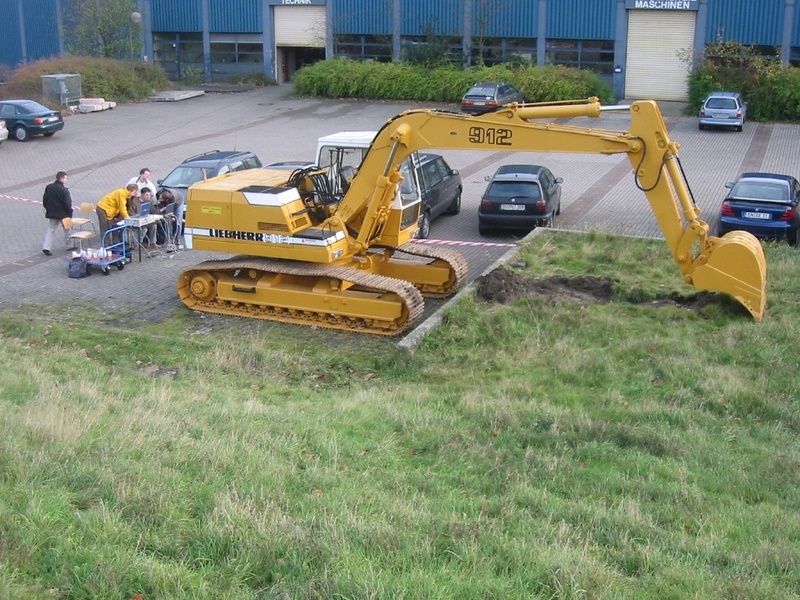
102 151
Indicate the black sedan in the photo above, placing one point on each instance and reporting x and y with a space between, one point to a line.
764 204
520 197
25 118
483 97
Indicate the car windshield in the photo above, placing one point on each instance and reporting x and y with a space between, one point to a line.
502 190
183 177
721 103
758 191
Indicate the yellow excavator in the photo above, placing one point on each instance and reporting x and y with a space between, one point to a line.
333 247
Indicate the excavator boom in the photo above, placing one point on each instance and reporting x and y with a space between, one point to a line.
733 264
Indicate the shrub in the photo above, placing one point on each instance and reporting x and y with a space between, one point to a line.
114 80
772 93
341 78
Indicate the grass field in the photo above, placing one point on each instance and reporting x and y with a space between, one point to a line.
636 443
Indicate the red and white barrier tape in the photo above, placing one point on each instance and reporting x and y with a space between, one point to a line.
462 243
7 197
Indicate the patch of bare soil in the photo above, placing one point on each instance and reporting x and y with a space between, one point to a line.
504 286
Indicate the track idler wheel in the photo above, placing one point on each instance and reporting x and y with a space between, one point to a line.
201 285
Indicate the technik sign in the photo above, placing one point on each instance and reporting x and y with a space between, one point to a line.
296 2
662 4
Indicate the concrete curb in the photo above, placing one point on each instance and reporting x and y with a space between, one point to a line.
412 341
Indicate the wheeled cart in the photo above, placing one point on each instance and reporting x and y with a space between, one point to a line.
112 253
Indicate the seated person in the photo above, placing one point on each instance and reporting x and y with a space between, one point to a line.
165 206
149 230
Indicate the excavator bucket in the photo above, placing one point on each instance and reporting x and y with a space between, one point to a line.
734 264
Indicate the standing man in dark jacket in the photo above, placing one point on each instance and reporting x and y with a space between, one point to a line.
57 206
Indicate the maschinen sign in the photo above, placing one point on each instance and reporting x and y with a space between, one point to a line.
662 4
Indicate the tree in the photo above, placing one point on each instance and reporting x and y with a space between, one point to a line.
486 12
102 28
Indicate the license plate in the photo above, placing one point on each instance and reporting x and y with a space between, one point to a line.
51 119
512 207
755 215
479 103
720 115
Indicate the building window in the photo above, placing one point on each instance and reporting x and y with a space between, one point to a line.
243 48
363 47
594 55
794 56
493 51
177 51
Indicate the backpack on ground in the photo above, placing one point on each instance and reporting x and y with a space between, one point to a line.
78 268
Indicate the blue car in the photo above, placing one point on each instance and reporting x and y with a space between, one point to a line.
764 204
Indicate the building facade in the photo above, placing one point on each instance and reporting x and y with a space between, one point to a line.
644 48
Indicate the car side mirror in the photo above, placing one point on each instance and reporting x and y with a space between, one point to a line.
453 172
559 180
488 178
730 185
160 181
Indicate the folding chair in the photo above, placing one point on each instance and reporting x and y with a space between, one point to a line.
81 222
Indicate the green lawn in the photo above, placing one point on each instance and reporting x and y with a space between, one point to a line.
642 443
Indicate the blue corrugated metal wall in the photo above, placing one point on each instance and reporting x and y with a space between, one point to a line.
446 16
581 19
796 28
509 18
41 31
11 47
759 22
179 15
41 28
362 18
242 17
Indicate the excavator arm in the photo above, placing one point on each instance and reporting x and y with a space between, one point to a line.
733 264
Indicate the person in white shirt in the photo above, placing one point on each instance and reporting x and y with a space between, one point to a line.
142 181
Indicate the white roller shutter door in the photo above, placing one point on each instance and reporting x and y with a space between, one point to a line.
301 26
656 39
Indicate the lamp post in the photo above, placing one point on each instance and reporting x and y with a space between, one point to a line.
136 17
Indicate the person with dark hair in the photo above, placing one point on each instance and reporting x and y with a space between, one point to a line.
57 207
143 181
114 207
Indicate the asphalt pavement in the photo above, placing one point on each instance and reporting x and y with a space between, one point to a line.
101 151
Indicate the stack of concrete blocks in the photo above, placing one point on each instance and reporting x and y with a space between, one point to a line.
88 105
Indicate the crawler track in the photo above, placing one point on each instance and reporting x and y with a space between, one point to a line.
458 267
335 297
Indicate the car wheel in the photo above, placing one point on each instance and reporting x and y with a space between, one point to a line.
483 230
558 209
455 206
21 134
49 133
739 127
701 127
424 225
